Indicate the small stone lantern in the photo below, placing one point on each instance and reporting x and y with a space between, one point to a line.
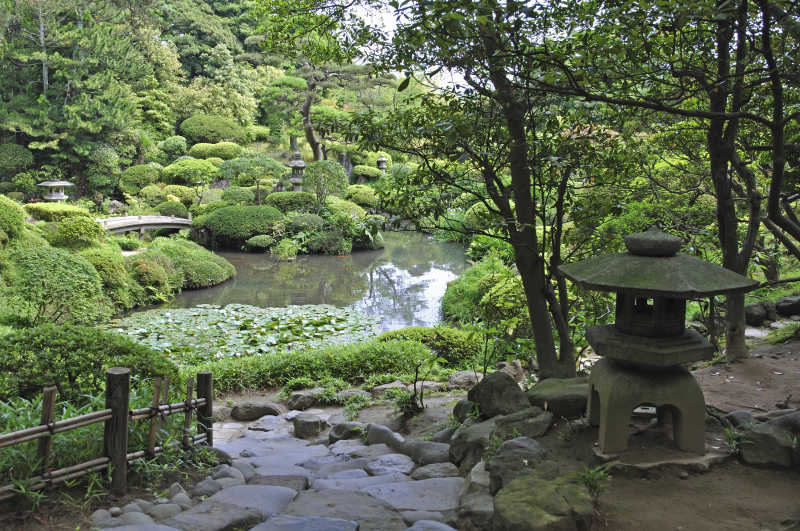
56 190
644 350
381 162
298 166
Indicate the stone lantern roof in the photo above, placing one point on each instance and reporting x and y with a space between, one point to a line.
296 161
56 189
652 267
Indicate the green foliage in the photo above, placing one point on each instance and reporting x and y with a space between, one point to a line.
135 178
365 172
238 195
12 217
259 244
185 194
152 194
102 168
301 382
461 300
454 345
285 249
482 245
297 223
231 226
173 208
291 201
118 284
156 274
77 231
45 284
331 241
344 208
190 171
207 208
352 363
72 358
249 168
595 479
478 217
258 133
223 150
216 161
126 243
173 147
14 159
199 267
211 128
55 211
324 178
297 83
362 195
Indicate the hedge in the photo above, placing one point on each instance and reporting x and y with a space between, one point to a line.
55 211
77 231
232 226
367 172
454 345
291 201
137 177
212 128
12 217
184 194
200 267
236 194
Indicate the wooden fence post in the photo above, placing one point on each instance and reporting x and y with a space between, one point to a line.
187 413
46 443
205 423
154 422
118 381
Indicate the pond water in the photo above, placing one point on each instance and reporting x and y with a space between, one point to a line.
403 283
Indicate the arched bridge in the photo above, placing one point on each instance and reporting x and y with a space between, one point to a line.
141 223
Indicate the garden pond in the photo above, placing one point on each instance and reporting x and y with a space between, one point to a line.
400 285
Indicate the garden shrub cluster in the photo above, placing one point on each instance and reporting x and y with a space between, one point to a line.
248 168
76 232
55 211
173 208
230 227
189 171
212 128
137 177
259 244
220 150
12 219
72 358
184 194
118 284
199 267
456 346
291 201
173 146
238 195
14 159
461 300
368 173
362 195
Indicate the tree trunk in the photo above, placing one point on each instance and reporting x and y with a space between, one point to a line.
312 136
293 145
734 331
43 45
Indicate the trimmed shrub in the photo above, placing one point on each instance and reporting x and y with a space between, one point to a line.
286 249
184 194
331 242
222 150
117 281
156 274
173 147
365 172
236 194
259 244
297 222
232 226
297 83
46 284
207 208
212 128
291 201
362 195
16 196
153 194
14 159
127 244
77 231
251 167
342 207
323 179
216 161
353 363
12 217
454 345
137 177
462 297
55 211
74 359
200 267
173 208
190 171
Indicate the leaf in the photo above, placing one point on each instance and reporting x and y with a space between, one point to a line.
403 84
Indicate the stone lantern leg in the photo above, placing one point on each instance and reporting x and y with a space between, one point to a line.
646 349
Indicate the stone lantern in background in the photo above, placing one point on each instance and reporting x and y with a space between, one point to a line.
645 349
381 162
298 166
56 190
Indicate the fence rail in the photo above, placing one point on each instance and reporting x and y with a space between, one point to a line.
117 417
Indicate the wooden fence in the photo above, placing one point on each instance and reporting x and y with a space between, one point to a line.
116 417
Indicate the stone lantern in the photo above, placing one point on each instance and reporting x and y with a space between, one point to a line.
298 166
645 349
381 162
56 190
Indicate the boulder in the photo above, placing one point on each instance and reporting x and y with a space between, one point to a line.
345 394
740 418
563 397
530 422
390 464
425 386
430 525
305 398
307 425
286 522
370 513
773 443
444 435
379 390
514 458
462 409
477 480
788 306
436 470
464 379
469 443
498 394
530 503
476 511
755 314
512 368
426 452
380 434
254 410
438 494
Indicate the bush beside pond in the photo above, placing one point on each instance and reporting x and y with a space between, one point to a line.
454 345
200 268
291 201
230 227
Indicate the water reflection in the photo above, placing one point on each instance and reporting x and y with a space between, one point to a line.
404 282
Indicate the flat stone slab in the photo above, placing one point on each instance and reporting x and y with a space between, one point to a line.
430 525
345 446
297 483
370 513
436 470
145 527
286 522
437 494
357 483
273 466
372 451
389 464
235 506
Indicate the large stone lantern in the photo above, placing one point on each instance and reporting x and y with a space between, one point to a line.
382 163
56 190
643 351
298 166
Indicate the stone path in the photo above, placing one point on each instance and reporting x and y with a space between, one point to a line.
374 481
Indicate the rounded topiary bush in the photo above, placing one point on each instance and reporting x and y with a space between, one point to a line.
190 171
184 194
248 168
153 194
259 244
216 161
236 194
258 133
342 207
291 201
14 159
173 147
117 281
362 195
297 222
454 345
366 173
156 274
212 128
222 150
199 267
55 211
12 217
74 359
173 208
232 226
207 208
77 231
137 177
200 150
